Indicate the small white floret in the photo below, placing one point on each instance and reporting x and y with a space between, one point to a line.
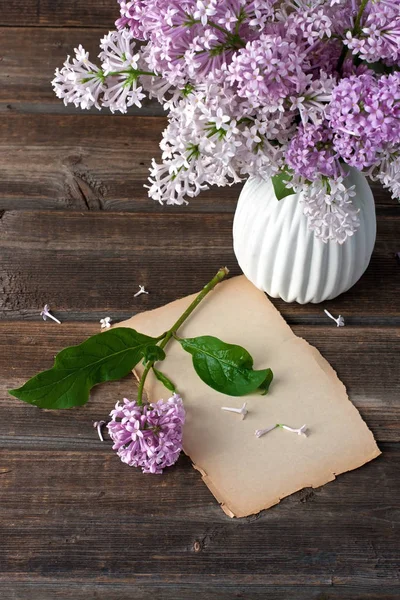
339 321
141 291
261 432
98 425
241 411
105 323
46 314
300 431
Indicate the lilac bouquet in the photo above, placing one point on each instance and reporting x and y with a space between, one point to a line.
293 90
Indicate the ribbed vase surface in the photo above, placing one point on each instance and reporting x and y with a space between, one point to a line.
280 255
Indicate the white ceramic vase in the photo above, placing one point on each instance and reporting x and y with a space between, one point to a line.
281 256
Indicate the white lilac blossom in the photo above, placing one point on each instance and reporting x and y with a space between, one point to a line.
46 314
328 207
99 425
140 292
339 320
388 172
254 88
105 323
79 82
120 64
300 431
241 411
114 85
260 432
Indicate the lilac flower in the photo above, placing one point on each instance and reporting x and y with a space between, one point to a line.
338 320
105 323
114 85
311 154
204 10
131 16
387 171
118 52
378 37
365 116
313 24
300 430
312 102
328 207
46 314
79 82
268 70
148 436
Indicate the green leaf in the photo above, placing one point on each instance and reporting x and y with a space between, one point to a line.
103 357
379 67
226 368
153 353
164 380
279 182
267 382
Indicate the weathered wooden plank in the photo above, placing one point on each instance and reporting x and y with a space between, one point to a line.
59 13
29 57
365 359
117 591
73 517
86 162
94 261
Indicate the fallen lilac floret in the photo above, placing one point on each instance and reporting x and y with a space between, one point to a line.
98 425
46 314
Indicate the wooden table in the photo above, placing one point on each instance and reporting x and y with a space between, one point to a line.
78 232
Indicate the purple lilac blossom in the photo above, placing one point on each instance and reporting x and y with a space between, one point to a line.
268 71
364 115
148 436
310 152
378 37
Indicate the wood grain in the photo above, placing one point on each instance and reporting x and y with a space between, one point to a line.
86 517
94 261
118 591
78 231
365 359
87 162
59 13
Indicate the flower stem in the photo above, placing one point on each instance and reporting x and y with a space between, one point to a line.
170 333
359 15
232 38
135 72
355 30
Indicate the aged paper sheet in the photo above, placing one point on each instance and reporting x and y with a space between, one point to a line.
247 474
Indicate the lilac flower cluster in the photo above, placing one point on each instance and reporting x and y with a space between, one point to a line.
268 70
311 154
148 436
114 85
377 35
253 87
364 114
